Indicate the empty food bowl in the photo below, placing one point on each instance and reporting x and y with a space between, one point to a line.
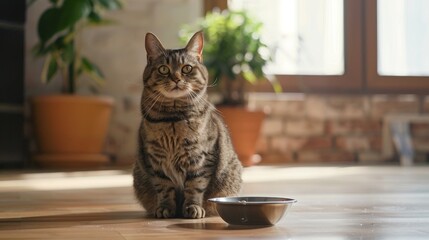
252 210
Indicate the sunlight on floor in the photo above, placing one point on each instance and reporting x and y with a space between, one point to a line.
272 173
117 178
67 181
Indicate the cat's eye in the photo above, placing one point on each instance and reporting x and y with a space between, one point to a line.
164 70
187 69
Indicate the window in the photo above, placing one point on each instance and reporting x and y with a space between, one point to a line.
345 45
331 24
397 45
403 47
305 37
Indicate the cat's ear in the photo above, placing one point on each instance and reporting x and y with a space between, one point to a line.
196 44
153 46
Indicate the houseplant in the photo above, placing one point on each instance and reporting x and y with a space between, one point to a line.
70 129
233 54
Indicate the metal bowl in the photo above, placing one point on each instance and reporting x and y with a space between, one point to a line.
252 210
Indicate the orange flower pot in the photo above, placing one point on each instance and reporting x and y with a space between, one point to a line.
244 127
70 131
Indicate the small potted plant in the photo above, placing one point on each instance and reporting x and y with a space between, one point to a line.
70 129
233 54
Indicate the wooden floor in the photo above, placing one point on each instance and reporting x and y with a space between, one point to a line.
335 202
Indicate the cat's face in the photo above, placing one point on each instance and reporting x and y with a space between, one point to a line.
177 73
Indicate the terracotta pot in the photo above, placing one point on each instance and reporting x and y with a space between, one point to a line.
70 131
244 127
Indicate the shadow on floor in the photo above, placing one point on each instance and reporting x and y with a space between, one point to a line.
212 226
73 219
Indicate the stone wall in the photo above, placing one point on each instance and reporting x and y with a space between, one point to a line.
314 128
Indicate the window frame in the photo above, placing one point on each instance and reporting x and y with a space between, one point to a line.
360 60
351 80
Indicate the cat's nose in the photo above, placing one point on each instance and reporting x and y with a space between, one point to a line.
176 77
176 80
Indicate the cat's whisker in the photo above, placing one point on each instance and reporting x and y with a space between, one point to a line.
190 98
213 84
203 100
162 100
195 97
198 96
148 100
214 109
152 104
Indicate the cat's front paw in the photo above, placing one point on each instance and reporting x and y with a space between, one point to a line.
194 211
164 212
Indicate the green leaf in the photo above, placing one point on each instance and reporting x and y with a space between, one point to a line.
39 51
50 68
55 20
93 71
48 24
88 66
277 87
72 11
110 4
249 76
94 17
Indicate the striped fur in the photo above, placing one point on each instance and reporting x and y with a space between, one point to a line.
185 152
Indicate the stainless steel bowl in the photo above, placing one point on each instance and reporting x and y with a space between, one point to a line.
252 210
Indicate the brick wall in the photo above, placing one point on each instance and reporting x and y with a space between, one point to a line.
314 128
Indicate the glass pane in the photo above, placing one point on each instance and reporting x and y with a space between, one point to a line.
403 37
305 36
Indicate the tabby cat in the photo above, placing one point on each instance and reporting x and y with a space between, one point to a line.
185 152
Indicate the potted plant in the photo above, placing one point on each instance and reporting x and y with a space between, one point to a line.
70 129
233 54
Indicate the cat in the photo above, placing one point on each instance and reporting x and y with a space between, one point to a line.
185 151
